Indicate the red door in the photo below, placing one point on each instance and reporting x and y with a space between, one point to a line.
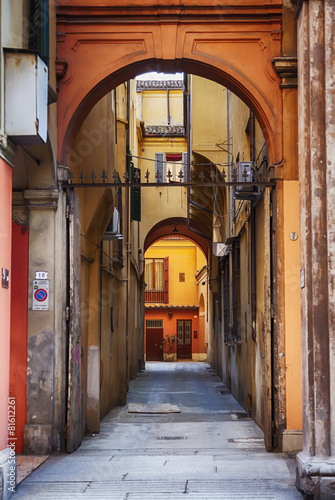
184 345
154 338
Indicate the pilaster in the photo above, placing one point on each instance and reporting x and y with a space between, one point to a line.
38 431
316 56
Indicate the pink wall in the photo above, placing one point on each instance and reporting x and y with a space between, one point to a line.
19 325
5 262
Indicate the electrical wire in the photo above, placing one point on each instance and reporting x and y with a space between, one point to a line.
181 163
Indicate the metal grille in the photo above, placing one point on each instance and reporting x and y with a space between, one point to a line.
180 332
154 323
187 332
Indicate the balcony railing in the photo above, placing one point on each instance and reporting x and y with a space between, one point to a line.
154 296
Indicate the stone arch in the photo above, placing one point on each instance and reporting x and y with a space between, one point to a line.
95 57
167 227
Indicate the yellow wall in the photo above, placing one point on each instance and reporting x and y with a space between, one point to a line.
184 257
209 119
154 107
159 203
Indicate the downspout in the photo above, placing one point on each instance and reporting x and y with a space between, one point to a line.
127 230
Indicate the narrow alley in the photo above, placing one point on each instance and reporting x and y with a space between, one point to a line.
181 433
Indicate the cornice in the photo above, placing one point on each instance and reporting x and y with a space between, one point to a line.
41 198
81 12
287 69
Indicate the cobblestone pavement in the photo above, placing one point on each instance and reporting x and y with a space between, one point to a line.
206 447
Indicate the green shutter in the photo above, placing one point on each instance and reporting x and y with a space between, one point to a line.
135 193
39 28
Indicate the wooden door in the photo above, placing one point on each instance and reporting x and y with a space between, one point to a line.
154 338
184 339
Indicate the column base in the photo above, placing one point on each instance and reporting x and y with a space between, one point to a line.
291 441
7 473
37 439
316 476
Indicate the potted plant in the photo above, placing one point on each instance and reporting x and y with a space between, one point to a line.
168 347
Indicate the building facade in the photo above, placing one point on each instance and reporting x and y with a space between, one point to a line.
72 268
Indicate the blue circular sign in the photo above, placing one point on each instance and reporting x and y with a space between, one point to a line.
40 295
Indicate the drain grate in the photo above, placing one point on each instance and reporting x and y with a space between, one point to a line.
171 438
225 391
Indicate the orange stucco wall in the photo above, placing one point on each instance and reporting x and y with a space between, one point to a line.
5 262
18 336
170 324
292 307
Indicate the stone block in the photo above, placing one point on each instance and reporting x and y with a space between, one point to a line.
37 439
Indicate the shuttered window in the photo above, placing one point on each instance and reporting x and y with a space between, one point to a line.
160 167
39 28
169 166
135 193
157 280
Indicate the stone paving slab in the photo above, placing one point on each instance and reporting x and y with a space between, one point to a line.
198 459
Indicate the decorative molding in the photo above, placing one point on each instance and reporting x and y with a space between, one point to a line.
159 84
7 150
61 68
20 214
163 130
287 69
315 474
41 199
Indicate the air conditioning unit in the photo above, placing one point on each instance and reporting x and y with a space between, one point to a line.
220 249
113 231
26 97
244 174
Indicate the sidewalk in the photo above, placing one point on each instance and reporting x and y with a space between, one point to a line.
199 444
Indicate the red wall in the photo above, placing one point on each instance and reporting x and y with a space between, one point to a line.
19 323
5 262
170 324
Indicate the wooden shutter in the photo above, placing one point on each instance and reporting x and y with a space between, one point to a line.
135 193
39 28
160 167
166 280
184 160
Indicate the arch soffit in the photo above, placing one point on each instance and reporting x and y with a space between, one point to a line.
239 61
165 228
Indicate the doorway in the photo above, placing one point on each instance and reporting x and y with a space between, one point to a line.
184 342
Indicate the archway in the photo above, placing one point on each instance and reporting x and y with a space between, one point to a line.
235 50
175 272
96 53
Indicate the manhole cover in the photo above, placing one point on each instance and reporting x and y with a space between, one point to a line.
171 438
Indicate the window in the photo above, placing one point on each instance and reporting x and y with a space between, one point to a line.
39 28
154 323
157 280
169 166
181 277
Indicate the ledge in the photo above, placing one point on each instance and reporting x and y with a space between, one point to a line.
41 198
287 69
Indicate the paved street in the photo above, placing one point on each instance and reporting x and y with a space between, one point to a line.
210 449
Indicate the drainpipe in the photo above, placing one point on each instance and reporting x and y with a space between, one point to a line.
127 230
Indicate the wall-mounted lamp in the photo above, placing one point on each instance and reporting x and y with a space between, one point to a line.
170 313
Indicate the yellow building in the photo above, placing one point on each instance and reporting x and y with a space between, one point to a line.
172 300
